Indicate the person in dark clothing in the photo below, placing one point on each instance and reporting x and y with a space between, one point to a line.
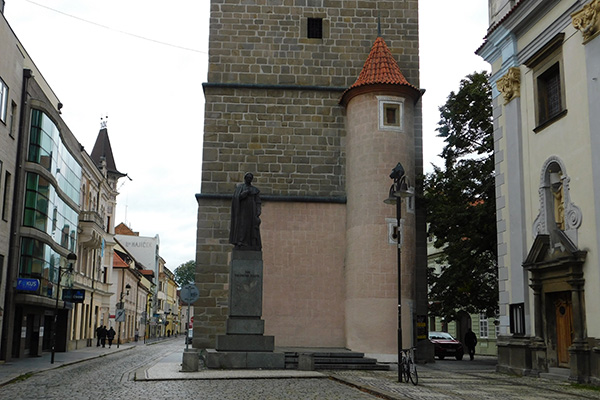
99 334
102 336
471 342
110 335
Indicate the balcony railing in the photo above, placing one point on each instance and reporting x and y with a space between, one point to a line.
91 216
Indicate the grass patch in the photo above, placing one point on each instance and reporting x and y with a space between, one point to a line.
20 378
586 386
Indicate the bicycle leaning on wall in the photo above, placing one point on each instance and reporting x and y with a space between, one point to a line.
408 368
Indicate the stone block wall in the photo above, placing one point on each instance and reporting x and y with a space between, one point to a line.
265 41
291 140
272 94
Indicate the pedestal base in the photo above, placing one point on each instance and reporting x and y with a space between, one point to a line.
245 343
190 362
243 359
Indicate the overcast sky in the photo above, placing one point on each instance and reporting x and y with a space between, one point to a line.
143 62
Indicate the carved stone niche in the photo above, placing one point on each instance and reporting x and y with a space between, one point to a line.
587 20
557 211
510 84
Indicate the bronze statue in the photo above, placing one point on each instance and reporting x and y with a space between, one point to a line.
244 233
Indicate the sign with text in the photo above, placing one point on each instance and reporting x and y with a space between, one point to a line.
28 285
73 295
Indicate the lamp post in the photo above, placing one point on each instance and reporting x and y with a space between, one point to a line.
149 308
398 191
71 258
122 315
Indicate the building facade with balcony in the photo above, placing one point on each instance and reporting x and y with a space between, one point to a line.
96 241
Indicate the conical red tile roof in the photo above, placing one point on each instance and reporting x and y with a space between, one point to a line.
380 69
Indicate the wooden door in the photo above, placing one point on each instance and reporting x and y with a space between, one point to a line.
564 330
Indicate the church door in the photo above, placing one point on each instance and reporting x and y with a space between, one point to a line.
564 329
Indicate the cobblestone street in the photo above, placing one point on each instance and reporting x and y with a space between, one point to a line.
112 377
118 374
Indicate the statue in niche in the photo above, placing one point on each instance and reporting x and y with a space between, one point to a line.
558 199
244 232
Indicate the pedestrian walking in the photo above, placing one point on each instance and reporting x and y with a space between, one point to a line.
110 335
102 336
99 334
471 342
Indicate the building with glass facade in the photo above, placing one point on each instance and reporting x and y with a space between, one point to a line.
56 217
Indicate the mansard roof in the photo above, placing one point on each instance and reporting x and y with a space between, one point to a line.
380 70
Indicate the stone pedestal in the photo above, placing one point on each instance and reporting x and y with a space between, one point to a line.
244 344
190 361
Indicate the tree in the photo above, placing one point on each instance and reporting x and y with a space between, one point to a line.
461 208
184 274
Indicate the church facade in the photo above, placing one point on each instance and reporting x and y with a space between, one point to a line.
545 58
286 100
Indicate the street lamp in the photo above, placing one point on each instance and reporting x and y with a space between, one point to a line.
148 316
121 306
71 258
398 191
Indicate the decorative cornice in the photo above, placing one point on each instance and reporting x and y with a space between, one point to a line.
510 84
586 20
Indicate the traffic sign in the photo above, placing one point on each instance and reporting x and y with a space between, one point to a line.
189 293
120 315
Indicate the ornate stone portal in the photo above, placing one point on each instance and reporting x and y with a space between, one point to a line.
244 346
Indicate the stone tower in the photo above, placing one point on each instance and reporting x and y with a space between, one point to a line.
379 134
277 72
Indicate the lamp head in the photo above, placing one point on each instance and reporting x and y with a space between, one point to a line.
398 172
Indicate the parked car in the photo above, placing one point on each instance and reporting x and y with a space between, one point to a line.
446 345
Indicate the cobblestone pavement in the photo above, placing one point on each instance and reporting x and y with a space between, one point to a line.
446 380
113 376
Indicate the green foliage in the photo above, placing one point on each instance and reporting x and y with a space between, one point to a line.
461 208
184 274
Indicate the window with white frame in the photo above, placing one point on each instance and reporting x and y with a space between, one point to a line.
3 100
483 325
391 113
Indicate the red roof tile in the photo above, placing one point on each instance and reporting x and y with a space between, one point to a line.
380 69
118 262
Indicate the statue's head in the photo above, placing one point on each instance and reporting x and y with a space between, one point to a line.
248 177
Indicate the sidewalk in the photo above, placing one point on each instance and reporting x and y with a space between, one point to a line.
15 368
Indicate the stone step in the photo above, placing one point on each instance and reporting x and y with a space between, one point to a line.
556 374
363 367
340 360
